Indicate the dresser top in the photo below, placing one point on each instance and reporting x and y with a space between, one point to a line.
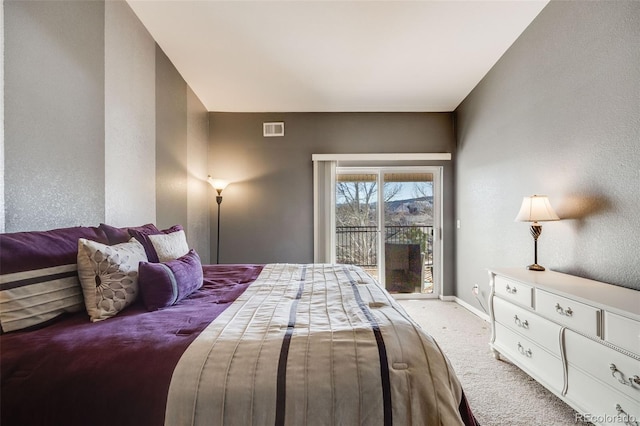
621 300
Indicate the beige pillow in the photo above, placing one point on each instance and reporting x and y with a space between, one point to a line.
109 276
170 246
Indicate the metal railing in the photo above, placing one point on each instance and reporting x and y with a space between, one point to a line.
357 245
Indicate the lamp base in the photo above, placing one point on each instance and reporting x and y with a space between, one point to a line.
535 267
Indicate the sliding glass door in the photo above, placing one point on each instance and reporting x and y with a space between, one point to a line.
394 242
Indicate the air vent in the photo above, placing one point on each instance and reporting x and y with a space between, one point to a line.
273 129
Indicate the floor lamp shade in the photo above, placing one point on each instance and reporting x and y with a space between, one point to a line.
536 209
218 184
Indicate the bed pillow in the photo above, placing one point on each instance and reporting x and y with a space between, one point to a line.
109 276
165 284
117 235
142 235
39 276
169 246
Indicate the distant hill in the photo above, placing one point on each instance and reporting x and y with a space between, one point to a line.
413 211
412 203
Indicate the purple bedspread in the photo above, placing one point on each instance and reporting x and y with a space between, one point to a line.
113 372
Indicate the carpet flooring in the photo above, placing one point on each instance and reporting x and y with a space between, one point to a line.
499 393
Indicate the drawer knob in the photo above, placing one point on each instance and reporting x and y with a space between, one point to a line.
511 290
520 323
620 377
524 352
626 418
567 312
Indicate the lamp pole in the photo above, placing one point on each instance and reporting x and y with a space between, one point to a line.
536 230
218 185
219 201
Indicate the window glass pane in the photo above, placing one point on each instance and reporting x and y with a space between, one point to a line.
356 200
408 232
356 220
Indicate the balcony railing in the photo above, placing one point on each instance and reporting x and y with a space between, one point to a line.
357 245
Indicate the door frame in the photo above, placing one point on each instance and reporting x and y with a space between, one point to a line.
323 191
379 171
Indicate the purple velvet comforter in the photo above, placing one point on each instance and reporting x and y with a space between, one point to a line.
117 371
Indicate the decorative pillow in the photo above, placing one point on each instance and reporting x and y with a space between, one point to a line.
109 276
165 284
122 235
142 235
39 276
169 246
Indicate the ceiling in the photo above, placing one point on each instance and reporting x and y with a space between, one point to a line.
310 56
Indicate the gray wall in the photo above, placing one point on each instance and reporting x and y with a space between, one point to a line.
557 115
171 143
198 189
2 225
84 88
130 121
182 193
267 212
54 114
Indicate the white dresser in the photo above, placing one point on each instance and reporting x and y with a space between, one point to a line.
579 338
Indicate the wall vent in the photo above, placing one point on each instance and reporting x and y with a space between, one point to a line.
273 129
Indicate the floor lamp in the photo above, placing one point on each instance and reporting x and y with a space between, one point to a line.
218 185
536 209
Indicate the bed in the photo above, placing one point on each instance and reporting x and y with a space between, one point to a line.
292 344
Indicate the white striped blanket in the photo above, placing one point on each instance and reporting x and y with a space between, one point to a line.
313 345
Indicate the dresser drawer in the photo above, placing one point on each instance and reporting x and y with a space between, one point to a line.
533 359
606 364
622 331
515 291
600 404
571 313
527 323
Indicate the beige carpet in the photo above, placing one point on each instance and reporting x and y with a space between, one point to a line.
499 393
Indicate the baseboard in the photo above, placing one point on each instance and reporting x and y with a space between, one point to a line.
471 308
413 296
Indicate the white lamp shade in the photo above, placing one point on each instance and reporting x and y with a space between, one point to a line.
536 209
218 184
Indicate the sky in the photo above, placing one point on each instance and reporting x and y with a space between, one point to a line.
407 191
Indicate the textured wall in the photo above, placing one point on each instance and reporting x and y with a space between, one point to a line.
54 114
198 189
557 115
130 122
2 118
171 143
267 213
182 123
82 104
